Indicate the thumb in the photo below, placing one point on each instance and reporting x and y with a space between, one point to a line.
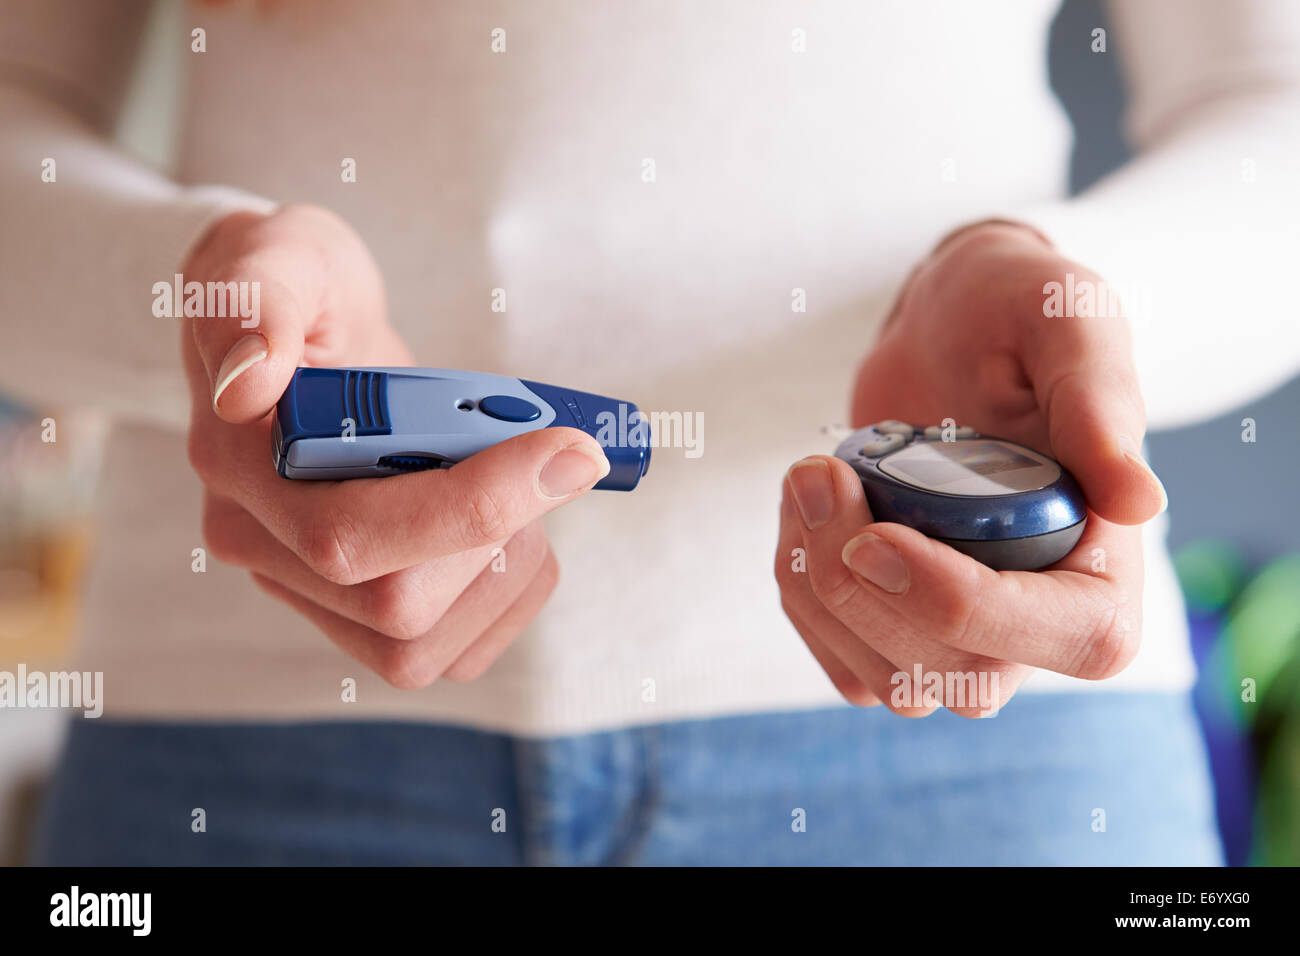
1096 422
250 358
1086 383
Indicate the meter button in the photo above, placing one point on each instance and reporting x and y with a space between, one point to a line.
892 427
882 446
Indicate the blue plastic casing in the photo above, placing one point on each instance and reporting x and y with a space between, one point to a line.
336 423
1028 528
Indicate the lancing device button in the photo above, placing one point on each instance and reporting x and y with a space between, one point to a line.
509 409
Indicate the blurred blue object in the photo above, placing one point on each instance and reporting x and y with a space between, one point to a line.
1232 760
1246 642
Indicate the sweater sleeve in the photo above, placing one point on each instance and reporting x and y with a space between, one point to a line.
1199 235
86 231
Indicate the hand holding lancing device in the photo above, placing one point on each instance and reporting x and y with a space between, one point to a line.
969 341
396 571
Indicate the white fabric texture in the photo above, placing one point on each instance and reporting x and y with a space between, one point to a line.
830 170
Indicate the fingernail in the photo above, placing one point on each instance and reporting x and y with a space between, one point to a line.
569 470
814 494
1133 452
878 561
242 356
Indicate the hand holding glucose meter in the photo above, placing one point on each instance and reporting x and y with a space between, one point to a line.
334 423
1005 505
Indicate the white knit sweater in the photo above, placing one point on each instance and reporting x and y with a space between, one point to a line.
828 169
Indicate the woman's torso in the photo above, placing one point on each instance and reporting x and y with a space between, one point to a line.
648 185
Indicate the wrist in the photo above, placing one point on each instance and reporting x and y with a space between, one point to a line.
966 249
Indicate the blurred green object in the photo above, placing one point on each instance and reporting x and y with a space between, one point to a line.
1253 671
1278 810
1210 573
1262 636
1261 643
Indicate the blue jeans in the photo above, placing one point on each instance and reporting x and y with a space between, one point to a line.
1104 778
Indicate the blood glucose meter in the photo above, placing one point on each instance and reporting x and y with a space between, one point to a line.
1005 505
334 423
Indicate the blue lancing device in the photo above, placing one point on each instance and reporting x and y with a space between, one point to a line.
334 423
1005 505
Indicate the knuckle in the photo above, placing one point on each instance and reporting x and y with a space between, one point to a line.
954 604
838 592
200 455
266 586
796 610
782 571
469 668
396 608
994 684
485 515
329 548
220 542
907 711
955 615
856 693
484 652
1111 646
402 667
788 607
549 576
